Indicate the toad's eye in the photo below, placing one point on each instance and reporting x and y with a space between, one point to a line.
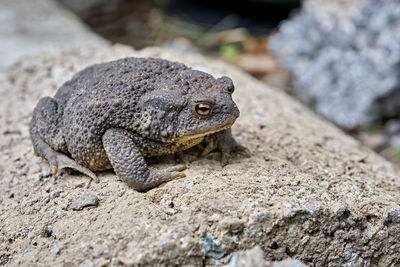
203 109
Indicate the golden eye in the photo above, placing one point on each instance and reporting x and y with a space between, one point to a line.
203 109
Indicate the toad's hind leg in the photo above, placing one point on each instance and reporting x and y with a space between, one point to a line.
47 137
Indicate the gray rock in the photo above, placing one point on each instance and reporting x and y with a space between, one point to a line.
87 200
393 216
211 248
30 28
344 58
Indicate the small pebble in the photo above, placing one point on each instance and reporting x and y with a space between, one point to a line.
211 248
47 231
87 200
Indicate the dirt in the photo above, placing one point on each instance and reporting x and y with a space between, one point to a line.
309 192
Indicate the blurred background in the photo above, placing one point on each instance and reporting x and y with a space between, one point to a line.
341 58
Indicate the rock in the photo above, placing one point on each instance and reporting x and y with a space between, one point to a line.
87 200
344 58
46 231
25 30
211 248
248 258
231 225
309 191
393 216
254 258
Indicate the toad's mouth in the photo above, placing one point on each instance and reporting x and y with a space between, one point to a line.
188 138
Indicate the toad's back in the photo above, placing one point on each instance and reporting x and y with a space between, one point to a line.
127 77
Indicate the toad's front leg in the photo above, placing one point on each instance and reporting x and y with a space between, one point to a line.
224 142
129 164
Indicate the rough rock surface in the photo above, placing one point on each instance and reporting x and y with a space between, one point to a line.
25 30
309 192
344 57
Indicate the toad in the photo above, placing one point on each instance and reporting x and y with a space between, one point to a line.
114 114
